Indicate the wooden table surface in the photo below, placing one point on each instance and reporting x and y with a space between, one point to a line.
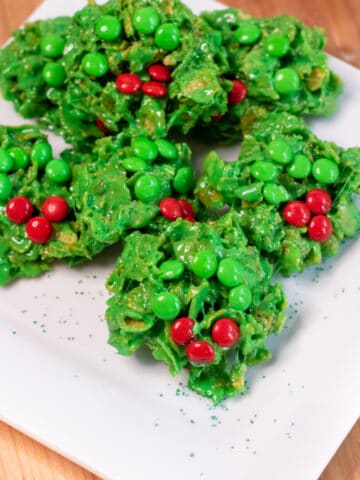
24 459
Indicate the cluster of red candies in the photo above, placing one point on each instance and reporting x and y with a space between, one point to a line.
236 95
130 83
312 213
171 208
38 229
225 333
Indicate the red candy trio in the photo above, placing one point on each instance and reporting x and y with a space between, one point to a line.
38 229
225 333
298 214
172 209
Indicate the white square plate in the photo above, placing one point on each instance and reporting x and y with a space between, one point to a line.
126 418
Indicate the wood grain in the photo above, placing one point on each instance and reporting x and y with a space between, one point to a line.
24 459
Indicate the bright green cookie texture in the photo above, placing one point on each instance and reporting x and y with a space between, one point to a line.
100 194
92 63
284 67
136 283
259 187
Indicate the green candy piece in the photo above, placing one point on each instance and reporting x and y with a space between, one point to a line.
280 151
230 272
168 36
54 74
248 33
6 162
325 171
147 188
250 193
95 64
58 171
52 46
135 164
5 187
276 45
287 81
41 154
108 28
171 269
184 180
166 306
300 168
204 264
166 149
275 194
240 297
146 20
19 156
264 171
144 148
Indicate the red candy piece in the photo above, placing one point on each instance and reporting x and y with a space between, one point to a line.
154 89
225 332
320 228
187 209
102 127
55 209
39 230
170 208
181 330
19 210
297 213
160 73
319 201
128 83
216 118
238 92
200 352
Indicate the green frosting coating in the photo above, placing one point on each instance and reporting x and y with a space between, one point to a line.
137 282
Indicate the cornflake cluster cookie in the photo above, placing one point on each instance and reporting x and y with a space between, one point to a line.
294 192
200 298
74 207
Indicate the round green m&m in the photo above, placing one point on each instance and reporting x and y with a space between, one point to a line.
240 297
275 194
95 64
168 36
166 305
204 264
54 74
108 28
280 151
184 179
52 46
300 168
58 171
264 171
5 187
146 20
287 81
171 269
135 164
147 188
19 156
166 149
144 148
41 154
276 45
230 272
325 170
250 193
6 162
248 33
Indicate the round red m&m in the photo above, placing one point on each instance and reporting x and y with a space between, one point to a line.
200 352
19 210
319 201
181 330
39 230
225 332
55 208
297 213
